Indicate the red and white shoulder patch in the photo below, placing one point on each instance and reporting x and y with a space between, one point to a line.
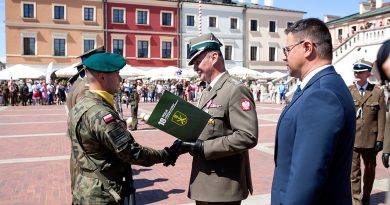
245 105
108 118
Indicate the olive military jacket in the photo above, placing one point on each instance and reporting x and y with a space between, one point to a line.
104 139
370 115
224 174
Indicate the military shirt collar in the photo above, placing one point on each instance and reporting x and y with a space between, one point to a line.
364 86
213 82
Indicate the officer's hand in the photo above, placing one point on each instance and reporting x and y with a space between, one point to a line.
194 148
385 160
173 153
378 146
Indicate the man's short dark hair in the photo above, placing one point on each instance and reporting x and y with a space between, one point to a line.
315 30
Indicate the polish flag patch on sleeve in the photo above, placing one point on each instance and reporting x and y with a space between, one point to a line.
245 105
108 118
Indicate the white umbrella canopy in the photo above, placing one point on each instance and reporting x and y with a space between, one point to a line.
20 71
6 75
243 72
67 71
278 74
130 71
164 73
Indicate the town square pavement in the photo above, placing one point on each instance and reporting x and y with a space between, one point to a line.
34 159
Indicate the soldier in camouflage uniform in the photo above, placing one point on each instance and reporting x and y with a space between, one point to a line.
133 101
102 147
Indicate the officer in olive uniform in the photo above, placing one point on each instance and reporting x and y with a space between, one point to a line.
220 168
370 123
102 147
133 101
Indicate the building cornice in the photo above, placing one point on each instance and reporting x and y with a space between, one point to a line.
145 3
141 32
54 26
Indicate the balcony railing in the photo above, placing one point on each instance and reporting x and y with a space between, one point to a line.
359 39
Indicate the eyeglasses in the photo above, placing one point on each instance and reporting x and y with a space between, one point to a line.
287 49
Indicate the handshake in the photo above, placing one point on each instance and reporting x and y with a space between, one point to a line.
179 147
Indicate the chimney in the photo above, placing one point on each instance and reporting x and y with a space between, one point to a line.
328 18
268 3
364 7
379 4
254 2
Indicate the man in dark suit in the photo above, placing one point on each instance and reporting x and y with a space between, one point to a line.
220 168
370 126
315 132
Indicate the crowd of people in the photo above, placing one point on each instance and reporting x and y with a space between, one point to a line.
190 90
28 92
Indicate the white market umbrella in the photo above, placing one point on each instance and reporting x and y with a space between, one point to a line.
278 74
130 71
243 72
22 71
164 73
67 71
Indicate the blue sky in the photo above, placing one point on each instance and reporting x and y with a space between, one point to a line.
314 8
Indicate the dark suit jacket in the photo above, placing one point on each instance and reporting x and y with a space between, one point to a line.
370 127
314 143
224 175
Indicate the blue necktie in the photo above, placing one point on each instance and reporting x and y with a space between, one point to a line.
297 91
361 91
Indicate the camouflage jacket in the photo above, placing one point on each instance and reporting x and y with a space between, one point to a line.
107 142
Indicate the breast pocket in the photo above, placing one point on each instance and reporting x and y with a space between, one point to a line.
372 106
217 122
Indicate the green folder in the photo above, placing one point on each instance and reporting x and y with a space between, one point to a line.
179 118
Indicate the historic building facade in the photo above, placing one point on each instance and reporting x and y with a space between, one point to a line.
40 32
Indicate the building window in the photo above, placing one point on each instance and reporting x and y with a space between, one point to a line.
59 12
253 25
253 53
89 44
188 51
272 54
340 33
212 21
117 46
59 47
28 10
89 13
190 20
118 15
289 24
166 49
142 17
143 49
272 26
29 46
233 23
228 52
166 19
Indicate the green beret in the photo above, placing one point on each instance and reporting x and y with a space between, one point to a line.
205 42
105 62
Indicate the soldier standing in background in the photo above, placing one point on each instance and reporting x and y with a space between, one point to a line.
102 147
24 94
133 100
370 125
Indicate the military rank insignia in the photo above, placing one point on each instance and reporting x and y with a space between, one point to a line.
245 105
108 118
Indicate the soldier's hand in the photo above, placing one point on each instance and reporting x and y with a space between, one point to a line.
173 153
385 160
194 148
378 146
